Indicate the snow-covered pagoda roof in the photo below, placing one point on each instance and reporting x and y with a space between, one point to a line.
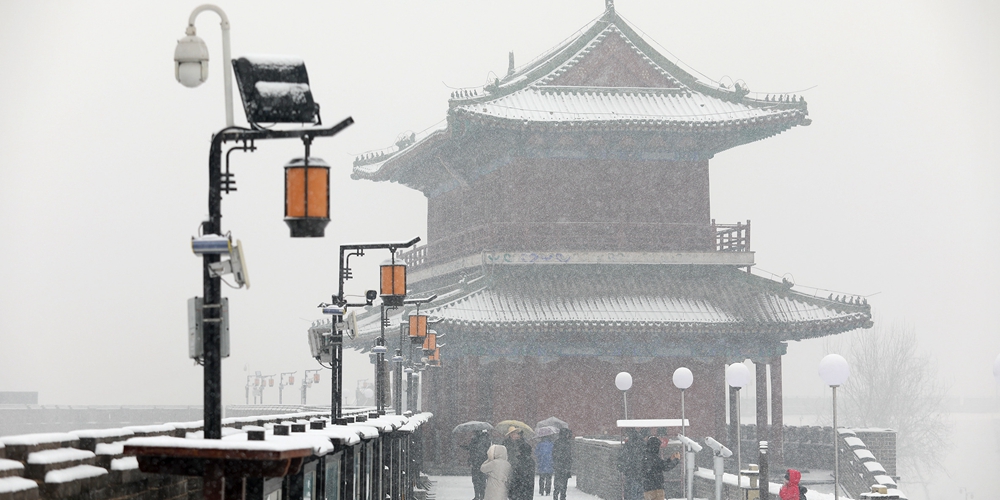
721 301
607 79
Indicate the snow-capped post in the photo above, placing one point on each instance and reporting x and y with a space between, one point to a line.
682 380
764 485
720 454
834 371
279 88
623 381
737 376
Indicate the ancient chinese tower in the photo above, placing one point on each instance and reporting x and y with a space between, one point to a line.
570 238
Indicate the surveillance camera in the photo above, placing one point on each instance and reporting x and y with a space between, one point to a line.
690 443
719 449
371 295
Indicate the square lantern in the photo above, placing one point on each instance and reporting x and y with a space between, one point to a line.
430 341
393 284
307 197
418 328
434 358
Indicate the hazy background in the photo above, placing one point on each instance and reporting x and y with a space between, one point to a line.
891 193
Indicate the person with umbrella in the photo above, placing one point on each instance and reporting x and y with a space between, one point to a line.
522 478
543 454
478 448
562 462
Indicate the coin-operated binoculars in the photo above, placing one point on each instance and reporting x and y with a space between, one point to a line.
720 453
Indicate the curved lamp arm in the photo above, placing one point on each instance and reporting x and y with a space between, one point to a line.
227 64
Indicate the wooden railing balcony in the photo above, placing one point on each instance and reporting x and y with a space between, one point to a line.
718 237
731 237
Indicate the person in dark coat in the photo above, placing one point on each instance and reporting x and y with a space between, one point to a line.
478 448
653 468
562 463
630 465
522 464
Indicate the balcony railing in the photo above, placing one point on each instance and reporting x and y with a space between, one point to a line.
727 238
732 237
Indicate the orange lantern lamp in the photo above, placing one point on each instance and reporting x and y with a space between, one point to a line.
307 197
316 378
393 284
430 342
291 379
418 328
434 359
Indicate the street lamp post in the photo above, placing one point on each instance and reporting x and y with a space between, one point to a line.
344 274
834 371
418 323
683 378
737 376
623 381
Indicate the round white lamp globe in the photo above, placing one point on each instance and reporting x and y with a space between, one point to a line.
623 381
737 375
683 378
833 369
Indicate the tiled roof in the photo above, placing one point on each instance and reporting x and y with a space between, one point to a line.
668 299
608 77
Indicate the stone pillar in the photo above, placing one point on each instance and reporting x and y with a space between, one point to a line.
760 372
777 442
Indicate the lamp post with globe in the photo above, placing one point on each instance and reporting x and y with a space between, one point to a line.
682 380
623 381
834 371
737 376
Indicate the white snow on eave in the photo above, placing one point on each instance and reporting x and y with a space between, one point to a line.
318 444
150 428
274 60
125 463
73 474
103 433
37 439
58 455
110 448
7 464
15 484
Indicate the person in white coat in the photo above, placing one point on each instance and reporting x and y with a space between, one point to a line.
497 470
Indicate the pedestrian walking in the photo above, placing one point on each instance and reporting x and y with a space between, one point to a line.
630 465
543 455
790 490
653 468
522 464
497 470
478 447
562 462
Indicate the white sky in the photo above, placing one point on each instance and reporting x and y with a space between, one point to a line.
892 192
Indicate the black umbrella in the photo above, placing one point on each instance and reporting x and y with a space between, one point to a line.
472 426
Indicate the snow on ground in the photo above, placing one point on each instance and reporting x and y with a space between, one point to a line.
460 488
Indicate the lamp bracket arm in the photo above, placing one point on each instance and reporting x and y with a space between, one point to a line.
214 8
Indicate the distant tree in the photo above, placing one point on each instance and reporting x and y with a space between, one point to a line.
892 385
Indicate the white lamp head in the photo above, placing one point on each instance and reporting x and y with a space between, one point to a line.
683 378
623 381
833 369
191 60
737 375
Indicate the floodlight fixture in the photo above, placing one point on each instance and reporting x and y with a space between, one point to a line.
275 89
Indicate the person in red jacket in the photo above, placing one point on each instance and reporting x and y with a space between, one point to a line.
790 490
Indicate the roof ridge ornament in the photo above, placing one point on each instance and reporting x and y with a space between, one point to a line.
609 5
